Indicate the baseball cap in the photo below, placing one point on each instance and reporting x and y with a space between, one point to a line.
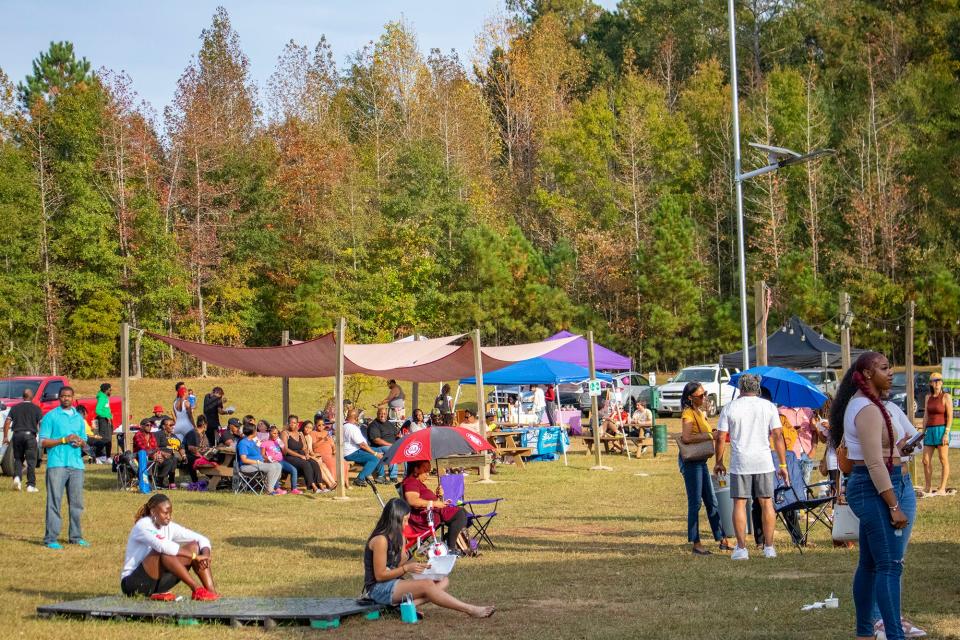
158 408
935 376
233 422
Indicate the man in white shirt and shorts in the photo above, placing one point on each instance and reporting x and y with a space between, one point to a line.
750 420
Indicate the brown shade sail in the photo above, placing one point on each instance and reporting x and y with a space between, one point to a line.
418 361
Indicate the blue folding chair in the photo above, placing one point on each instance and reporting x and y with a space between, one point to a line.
480 513
801 499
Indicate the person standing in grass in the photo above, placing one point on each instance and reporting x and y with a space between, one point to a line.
696 477
24 421
160 553
937 419
103 421
63 434
751 420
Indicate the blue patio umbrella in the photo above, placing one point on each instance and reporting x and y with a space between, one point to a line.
787 388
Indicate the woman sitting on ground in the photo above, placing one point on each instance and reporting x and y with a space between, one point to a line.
421 499
160 553
385 563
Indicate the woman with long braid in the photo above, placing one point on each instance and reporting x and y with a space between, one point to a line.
879 492
160 554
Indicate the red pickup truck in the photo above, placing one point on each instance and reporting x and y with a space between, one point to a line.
45 392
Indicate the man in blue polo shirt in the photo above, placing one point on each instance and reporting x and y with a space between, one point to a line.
62 434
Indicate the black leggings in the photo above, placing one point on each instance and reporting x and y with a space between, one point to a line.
165 472
309 470
455 525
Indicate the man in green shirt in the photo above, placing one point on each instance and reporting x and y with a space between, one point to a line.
62 434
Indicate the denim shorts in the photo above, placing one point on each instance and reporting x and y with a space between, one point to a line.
382 592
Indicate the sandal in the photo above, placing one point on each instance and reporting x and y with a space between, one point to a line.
725 547
701 552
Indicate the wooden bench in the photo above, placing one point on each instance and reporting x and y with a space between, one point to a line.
473 461
638 442
517 453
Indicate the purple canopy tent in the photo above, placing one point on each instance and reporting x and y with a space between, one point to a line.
575 352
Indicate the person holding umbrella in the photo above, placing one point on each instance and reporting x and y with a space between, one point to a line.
421 500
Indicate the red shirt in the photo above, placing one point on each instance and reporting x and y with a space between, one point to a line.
144 440
550 394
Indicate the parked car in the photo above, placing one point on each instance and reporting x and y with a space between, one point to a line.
823 379
45 391
921 386
714 379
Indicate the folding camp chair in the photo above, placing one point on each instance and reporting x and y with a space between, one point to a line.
255 482
478 524
807 502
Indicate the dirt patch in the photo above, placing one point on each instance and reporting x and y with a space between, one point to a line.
571 530
793 575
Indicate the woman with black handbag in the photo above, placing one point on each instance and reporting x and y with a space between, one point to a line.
696 447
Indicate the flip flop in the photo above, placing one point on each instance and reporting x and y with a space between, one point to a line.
701 552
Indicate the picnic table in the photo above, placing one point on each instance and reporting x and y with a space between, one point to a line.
223 469
505 443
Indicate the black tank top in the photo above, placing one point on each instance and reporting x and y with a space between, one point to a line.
369 578
295 444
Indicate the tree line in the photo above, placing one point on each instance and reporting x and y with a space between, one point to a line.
573 171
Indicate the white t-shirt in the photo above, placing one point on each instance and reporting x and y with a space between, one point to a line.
749 420
352 439
146 537
539 400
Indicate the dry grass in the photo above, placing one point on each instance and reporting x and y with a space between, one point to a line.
581 555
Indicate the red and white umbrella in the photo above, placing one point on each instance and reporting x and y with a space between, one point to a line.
435 442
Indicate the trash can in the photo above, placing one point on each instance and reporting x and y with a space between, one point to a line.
659 439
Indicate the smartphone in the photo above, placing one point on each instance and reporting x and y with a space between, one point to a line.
911 444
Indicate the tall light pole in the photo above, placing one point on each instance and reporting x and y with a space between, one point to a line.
777 157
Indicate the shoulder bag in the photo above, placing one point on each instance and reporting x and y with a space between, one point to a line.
696 452
843 460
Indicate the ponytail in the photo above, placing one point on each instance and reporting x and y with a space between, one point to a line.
853 381
155 500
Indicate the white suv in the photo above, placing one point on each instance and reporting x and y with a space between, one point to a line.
715 381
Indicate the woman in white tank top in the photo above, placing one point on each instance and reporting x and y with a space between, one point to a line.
182 412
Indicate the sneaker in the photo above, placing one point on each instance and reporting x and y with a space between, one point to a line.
740 553
16 484
295 492
32 489
202 594
769 552
384 481
358 483
54 545
166 596
279 492
82 543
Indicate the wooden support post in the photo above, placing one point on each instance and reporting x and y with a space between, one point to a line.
125 384
594 410
908 360
285 384
481 401
338 399
415 391
760 322
846 318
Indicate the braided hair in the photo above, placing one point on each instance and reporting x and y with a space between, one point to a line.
854 381
155 500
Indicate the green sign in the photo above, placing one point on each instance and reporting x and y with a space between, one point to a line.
593 387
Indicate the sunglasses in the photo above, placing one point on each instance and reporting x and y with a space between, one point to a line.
698 395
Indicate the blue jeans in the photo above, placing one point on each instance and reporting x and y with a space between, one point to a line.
696 479
877 579
286 467
806 467
58 479
393 468
907 498
370 462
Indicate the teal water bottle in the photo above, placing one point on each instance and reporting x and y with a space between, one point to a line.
408 610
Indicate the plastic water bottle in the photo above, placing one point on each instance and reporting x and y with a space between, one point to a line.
408 610
898 533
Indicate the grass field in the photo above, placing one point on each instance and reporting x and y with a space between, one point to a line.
581 554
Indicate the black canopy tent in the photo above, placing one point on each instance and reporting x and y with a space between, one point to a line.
795 346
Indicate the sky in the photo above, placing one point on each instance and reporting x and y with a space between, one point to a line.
153 41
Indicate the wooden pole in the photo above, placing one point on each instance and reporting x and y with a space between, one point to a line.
338 399
415 391
760 322
845 319
125 384
594 410
285 384
481 401
908 359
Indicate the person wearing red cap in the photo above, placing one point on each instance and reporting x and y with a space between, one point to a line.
156 417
